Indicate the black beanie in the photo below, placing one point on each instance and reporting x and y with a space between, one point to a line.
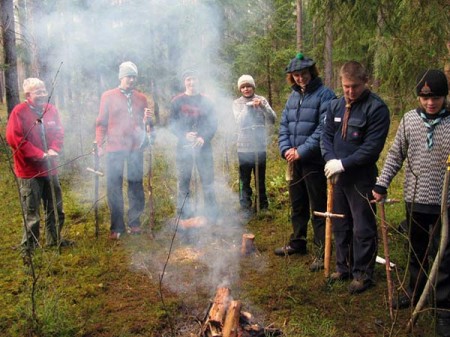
431 83
299 62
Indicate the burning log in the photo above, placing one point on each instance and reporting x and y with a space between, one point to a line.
231 326
225 319
248 245
218 309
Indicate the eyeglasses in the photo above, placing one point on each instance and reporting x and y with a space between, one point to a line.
39 92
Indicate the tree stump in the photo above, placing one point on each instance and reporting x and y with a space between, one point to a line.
248 245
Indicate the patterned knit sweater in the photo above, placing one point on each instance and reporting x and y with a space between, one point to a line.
424 167
251 123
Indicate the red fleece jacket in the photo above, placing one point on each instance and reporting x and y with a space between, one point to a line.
116 130
24 135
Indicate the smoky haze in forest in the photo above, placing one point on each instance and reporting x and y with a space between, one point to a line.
163 38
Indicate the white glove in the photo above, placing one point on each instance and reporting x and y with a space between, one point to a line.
333 167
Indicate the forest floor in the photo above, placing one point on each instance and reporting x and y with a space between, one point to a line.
163 285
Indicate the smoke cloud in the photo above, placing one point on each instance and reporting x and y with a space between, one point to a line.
87 40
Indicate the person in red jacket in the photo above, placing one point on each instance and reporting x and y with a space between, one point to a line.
35 135
121 135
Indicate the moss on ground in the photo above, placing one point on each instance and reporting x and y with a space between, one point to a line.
103 288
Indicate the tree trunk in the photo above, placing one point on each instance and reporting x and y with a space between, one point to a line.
379 49
10 52
39 52
328 57
299 11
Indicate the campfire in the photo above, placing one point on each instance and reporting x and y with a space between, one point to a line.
226 319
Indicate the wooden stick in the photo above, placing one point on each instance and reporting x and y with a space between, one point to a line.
257 196
219 307
328 215
384 234
328 229
231 325
96 183
151 205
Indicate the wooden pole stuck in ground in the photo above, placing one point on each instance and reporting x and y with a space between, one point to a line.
384 234
328 215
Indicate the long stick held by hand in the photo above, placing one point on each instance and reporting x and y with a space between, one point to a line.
328 225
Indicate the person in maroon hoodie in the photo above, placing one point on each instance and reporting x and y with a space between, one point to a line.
121 134
35 162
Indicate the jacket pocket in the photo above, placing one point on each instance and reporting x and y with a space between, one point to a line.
26 194
355 130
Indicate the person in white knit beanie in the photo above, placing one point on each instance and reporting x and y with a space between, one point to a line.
253 114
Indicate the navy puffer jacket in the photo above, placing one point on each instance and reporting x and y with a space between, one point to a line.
302 120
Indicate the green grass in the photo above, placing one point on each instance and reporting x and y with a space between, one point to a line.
103 288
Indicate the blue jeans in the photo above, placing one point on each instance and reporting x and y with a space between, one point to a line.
115 164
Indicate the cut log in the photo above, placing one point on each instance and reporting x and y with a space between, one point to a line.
248 245
231 325
219 307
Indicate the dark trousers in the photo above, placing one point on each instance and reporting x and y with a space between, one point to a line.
248 161
356 235
187 160
425 234
308 193
32 192
115 163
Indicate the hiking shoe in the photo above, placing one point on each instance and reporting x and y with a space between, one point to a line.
358 286
114 236
316 265
66 243
288 250
338 276
403 301
135 230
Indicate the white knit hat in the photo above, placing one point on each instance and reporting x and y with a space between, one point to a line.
127 69
246 79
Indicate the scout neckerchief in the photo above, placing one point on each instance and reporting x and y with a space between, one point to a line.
431 124
348 107
128 94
